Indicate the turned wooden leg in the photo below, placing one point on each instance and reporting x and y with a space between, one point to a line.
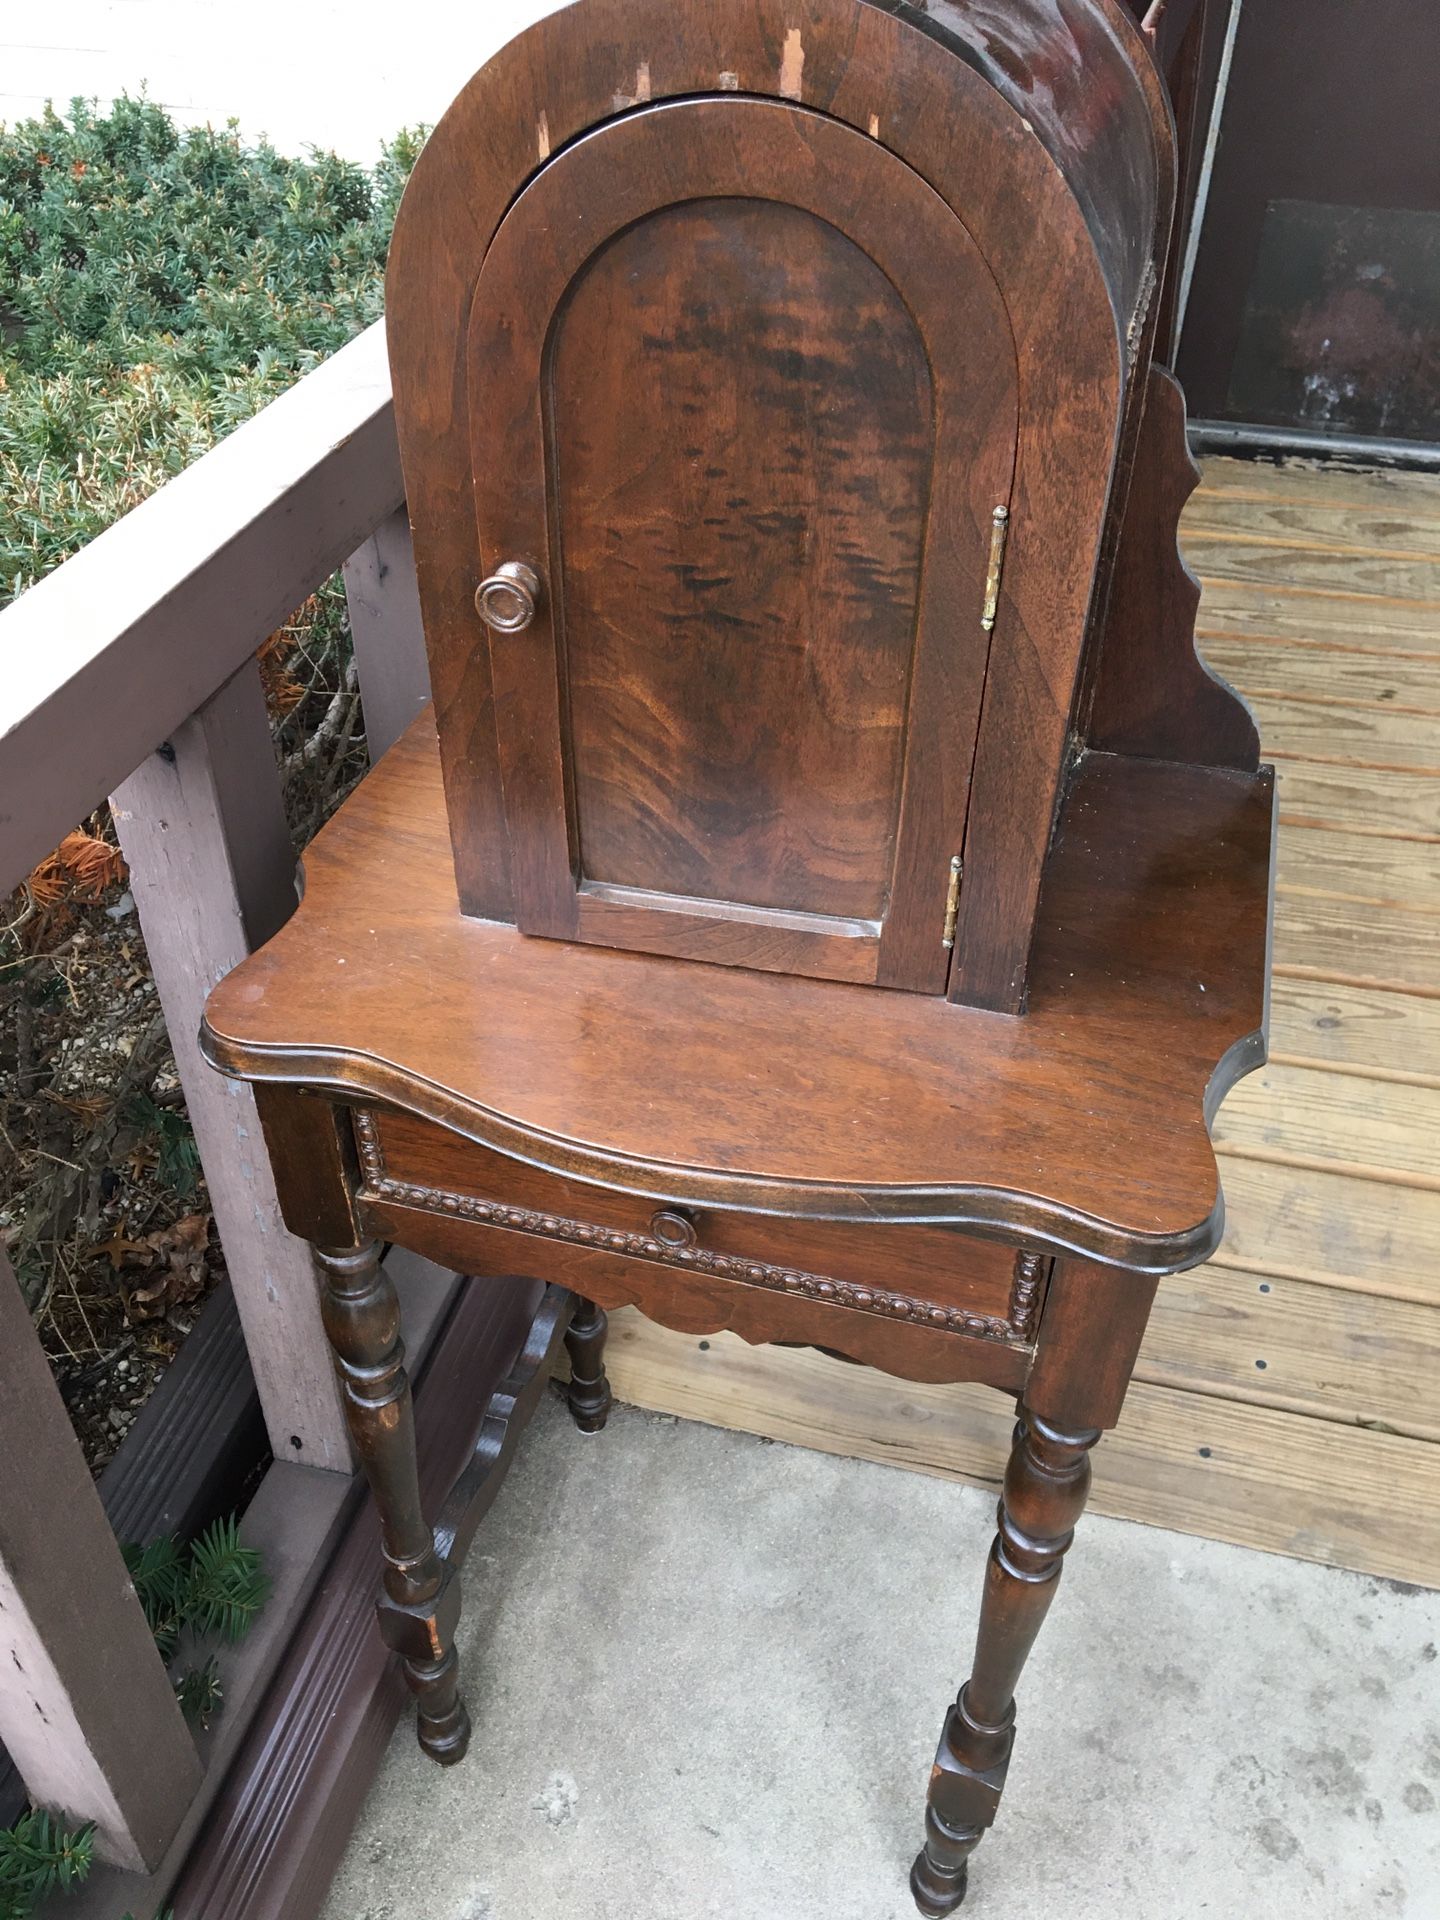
589 1391
1046 1483
420 1605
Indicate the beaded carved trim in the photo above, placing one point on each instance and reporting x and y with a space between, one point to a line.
1019 1327
1142 311
1030 1271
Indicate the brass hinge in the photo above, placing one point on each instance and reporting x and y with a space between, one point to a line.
999 528
952 901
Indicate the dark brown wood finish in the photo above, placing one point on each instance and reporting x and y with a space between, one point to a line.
1094 1320
1153 693
411 1162
421 1603
762 384
588 1393
1068 249
1046 1483
715 1087
275 1834
787 369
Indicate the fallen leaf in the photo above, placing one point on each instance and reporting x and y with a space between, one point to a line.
121 1252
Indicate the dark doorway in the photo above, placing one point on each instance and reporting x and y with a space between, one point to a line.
1314 306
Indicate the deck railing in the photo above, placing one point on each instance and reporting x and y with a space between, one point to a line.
130 672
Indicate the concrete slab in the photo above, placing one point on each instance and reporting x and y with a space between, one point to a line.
707 1672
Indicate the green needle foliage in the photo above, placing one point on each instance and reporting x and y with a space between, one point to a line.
227 1586
156 287
37 1857
217 1587
200 1693
161 1578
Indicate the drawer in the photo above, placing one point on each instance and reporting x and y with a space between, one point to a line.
926 1275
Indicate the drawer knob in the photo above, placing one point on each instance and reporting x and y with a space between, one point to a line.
672 1228
506 601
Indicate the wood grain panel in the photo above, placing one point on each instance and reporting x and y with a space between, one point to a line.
753 462
1194 1461
739 615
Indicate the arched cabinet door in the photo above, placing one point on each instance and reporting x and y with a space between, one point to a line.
743 407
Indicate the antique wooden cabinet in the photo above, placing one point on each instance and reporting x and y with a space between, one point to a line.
830 896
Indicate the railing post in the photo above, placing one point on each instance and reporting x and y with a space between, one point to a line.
212 872
384 604
86 1709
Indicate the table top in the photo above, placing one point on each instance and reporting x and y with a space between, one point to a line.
1081 1125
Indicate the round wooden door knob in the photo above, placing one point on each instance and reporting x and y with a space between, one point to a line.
506 600
672 1228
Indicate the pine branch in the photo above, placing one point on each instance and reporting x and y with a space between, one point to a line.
37 1856
227 1585
161 1581
200 1693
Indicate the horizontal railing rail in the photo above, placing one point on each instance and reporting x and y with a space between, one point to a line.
130 672
102 659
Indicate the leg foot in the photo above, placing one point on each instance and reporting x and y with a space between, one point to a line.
419 1607
441 1720
589 1391
942 1867
1045 1487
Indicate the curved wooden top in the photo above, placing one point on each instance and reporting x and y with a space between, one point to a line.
1040 123
1081 1127
1084 81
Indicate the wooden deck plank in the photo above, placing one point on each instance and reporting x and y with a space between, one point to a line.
1333 1227
1307 525
1298 612
1307 1115
1324 670
1382 800
1408 498
1325 1351
1373 735
1378 870
1349 939
1275 1480
1352 1027
1359 578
